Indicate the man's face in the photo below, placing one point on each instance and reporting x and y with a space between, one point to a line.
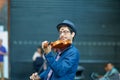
109 66
106 68
65 34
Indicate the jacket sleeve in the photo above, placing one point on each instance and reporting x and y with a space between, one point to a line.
43 74
61 68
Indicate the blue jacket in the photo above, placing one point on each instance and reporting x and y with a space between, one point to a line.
65 68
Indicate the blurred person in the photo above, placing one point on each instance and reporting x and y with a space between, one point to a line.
2 53
64 65
111 73
39 64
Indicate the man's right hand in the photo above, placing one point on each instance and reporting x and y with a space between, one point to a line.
34 76
46 49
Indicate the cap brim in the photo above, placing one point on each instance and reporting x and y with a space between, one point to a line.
68 25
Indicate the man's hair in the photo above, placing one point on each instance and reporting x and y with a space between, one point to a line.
109 63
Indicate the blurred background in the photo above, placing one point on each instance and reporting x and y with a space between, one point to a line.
33 21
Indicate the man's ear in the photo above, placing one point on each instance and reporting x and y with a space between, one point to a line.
73 34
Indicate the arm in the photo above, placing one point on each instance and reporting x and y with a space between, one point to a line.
36 76
70 59
43 74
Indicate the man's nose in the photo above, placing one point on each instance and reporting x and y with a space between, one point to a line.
62 34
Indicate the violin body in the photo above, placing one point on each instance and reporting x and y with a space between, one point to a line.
59 44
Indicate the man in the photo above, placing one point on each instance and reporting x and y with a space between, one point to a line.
2 53
64 67
111 73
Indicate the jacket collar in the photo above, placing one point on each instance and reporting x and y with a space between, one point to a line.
66 49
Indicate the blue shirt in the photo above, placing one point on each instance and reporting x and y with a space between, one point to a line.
2 49
65 68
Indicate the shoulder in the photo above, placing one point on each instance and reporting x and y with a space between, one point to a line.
73 49
114 70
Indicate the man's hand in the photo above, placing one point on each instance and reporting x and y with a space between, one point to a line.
34 76
46 49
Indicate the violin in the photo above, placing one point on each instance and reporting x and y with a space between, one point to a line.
59 44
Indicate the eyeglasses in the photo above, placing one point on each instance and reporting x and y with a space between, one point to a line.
65 32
